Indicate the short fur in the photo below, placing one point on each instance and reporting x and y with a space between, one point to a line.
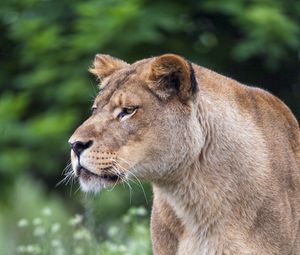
224 158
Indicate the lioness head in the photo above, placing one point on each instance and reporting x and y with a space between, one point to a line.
141 124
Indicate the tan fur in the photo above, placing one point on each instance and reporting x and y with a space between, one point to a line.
105 65
224 158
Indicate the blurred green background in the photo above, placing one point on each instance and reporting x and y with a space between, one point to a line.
46 48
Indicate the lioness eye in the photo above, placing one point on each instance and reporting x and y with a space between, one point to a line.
126 112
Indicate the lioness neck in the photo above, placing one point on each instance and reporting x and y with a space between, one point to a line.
225 182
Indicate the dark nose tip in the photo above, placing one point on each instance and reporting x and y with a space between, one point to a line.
78 147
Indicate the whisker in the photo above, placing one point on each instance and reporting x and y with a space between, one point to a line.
118 173
75 192
124 179
130 191
72 183
67 176
125 161
139 182
67 167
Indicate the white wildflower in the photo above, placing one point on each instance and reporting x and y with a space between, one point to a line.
21 249
113 231
126 219
77 219
112 247
82 234
140 211
30 248
56 243
60 251
39 231
47 211
78 251
33 249
55 228
123 248
23 223
37 221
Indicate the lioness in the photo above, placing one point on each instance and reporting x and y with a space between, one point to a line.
223 158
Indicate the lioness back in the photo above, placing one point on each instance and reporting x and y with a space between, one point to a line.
223 158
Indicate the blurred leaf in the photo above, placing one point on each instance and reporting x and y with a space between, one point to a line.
12 106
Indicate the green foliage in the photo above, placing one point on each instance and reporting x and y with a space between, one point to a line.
267 29
47 47
34 223
43 235
27 201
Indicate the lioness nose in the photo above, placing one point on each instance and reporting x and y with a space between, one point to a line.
78 147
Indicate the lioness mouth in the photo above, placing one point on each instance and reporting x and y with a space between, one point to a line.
86 174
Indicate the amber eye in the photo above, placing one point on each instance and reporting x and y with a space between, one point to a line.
127 111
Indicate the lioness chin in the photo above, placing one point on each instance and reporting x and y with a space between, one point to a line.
223 158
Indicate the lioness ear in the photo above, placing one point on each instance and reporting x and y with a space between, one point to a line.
105 65
171 74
